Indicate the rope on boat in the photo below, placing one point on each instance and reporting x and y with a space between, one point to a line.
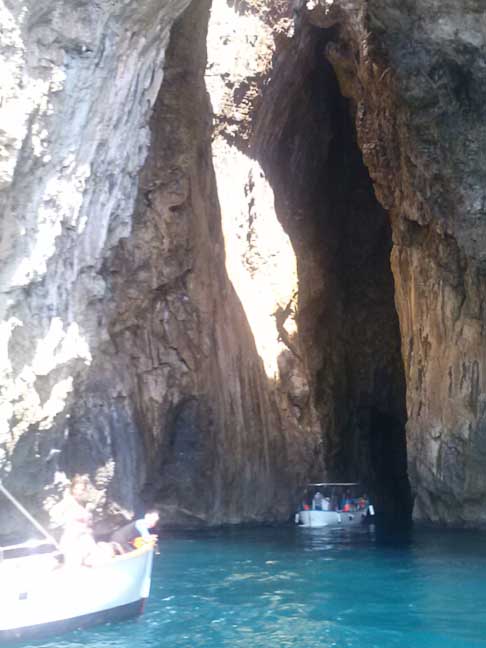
26 513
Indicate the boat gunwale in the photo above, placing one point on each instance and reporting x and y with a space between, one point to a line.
150 546
135 553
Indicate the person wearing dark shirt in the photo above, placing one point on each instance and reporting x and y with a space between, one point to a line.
126 535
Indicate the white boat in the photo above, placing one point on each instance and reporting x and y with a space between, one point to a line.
38 597
333 513
41 596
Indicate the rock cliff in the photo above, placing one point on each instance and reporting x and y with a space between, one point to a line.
414 73
127 353
79 83
242 246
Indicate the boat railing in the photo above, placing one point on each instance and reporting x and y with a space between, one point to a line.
30 545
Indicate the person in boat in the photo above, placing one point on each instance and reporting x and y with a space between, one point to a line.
317 501
77 542
362 502
127 536
346 502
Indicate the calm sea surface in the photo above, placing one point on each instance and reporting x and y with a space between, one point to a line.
307 588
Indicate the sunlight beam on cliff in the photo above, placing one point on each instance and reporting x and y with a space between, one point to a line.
260 259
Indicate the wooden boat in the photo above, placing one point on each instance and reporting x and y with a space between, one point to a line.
41 596
333 513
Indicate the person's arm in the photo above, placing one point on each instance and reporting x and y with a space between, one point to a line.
142 529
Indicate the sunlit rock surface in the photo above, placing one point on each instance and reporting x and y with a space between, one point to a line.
78 83
224 437
126 352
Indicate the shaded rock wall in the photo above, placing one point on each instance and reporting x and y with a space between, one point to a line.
288 116
347 319
415 74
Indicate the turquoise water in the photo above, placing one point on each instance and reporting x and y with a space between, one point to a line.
307 588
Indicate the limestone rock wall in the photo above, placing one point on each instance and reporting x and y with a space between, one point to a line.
78 83
197 306
415 73
220 439
126 352
278 108
411 75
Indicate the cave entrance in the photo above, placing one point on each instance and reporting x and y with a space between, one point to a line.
348 325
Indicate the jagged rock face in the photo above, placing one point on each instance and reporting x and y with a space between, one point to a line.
221 442
79 81
415 73
198 307
127 353
413 77
286 114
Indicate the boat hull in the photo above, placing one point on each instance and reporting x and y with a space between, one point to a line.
76 623
319 519
37 600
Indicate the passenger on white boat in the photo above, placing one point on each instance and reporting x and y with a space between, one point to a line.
347 501
127 535
362 502
317 501
77 542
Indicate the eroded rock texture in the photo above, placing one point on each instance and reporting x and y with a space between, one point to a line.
400 84
219 441
127 354
79 81
415 74
289 117
198 305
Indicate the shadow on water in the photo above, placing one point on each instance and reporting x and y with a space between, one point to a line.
392 531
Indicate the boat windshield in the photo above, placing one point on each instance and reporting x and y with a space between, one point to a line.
335 496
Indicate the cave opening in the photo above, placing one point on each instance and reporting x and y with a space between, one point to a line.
348 324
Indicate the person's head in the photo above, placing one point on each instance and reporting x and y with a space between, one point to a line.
151 519
79 487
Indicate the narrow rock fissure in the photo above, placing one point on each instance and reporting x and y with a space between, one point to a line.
371 443
348 325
